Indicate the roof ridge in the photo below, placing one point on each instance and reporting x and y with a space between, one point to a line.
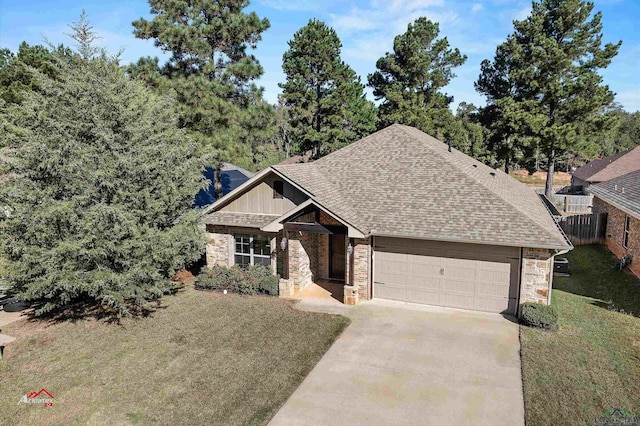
351 146
472 177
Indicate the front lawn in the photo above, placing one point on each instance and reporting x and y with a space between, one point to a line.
201 358
592 363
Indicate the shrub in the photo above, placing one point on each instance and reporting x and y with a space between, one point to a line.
540 316
250 280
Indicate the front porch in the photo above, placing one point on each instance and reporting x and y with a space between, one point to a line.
320 259
328 290
314 253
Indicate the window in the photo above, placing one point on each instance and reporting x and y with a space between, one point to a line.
252 250
627 226
278 189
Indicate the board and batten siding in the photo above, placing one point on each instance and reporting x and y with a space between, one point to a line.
260 199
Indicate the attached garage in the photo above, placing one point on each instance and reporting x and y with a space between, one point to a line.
467 276
375 214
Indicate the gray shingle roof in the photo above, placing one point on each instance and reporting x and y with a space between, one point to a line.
402 182
624 191
238 219
604 169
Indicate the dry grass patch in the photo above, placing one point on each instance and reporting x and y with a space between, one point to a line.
202 358
540 178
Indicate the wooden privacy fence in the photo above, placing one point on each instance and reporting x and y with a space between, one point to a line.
585 228
572 203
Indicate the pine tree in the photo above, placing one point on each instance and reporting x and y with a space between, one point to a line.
15 76
409 80
554 57
326 101
502 116
210 73
97 183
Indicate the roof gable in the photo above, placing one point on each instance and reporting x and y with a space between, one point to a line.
604 169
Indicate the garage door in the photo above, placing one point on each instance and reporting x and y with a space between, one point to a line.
468 276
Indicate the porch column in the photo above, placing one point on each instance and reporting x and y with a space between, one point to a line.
286 286
350 290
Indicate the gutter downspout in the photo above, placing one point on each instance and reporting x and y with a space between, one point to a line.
558 253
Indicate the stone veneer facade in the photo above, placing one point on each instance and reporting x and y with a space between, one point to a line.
303 258
615 233
220 245
308 258
536 275
309 261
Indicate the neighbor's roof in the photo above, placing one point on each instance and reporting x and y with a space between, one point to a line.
622 192
611 167
229 167
402 182
251 220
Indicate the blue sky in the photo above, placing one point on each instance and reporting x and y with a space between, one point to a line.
366 28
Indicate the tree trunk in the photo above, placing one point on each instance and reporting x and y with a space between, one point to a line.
508 157
217 181
548 190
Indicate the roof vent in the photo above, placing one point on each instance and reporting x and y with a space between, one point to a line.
615 187
475 165
492 174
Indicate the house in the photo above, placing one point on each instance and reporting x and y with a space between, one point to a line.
396 215
232 177
605 169
620 199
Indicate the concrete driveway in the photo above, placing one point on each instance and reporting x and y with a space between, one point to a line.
406 364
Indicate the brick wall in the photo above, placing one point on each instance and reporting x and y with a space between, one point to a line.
537 275
615 234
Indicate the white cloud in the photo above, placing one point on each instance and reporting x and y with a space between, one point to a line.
522 14
630 99
369 49
354 21
477 7
391 17
308 5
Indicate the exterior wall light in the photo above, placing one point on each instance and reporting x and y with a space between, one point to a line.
283 243
349 249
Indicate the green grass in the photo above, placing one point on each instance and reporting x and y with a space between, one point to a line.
593 362
202 358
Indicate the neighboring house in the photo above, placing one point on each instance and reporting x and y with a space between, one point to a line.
620 199
605 169
395 215
232 177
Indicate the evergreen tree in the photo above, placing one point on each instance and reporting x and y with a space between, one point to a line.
409 80
554 57
502 116
326 101
97 181
15 76
469 135
210 73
